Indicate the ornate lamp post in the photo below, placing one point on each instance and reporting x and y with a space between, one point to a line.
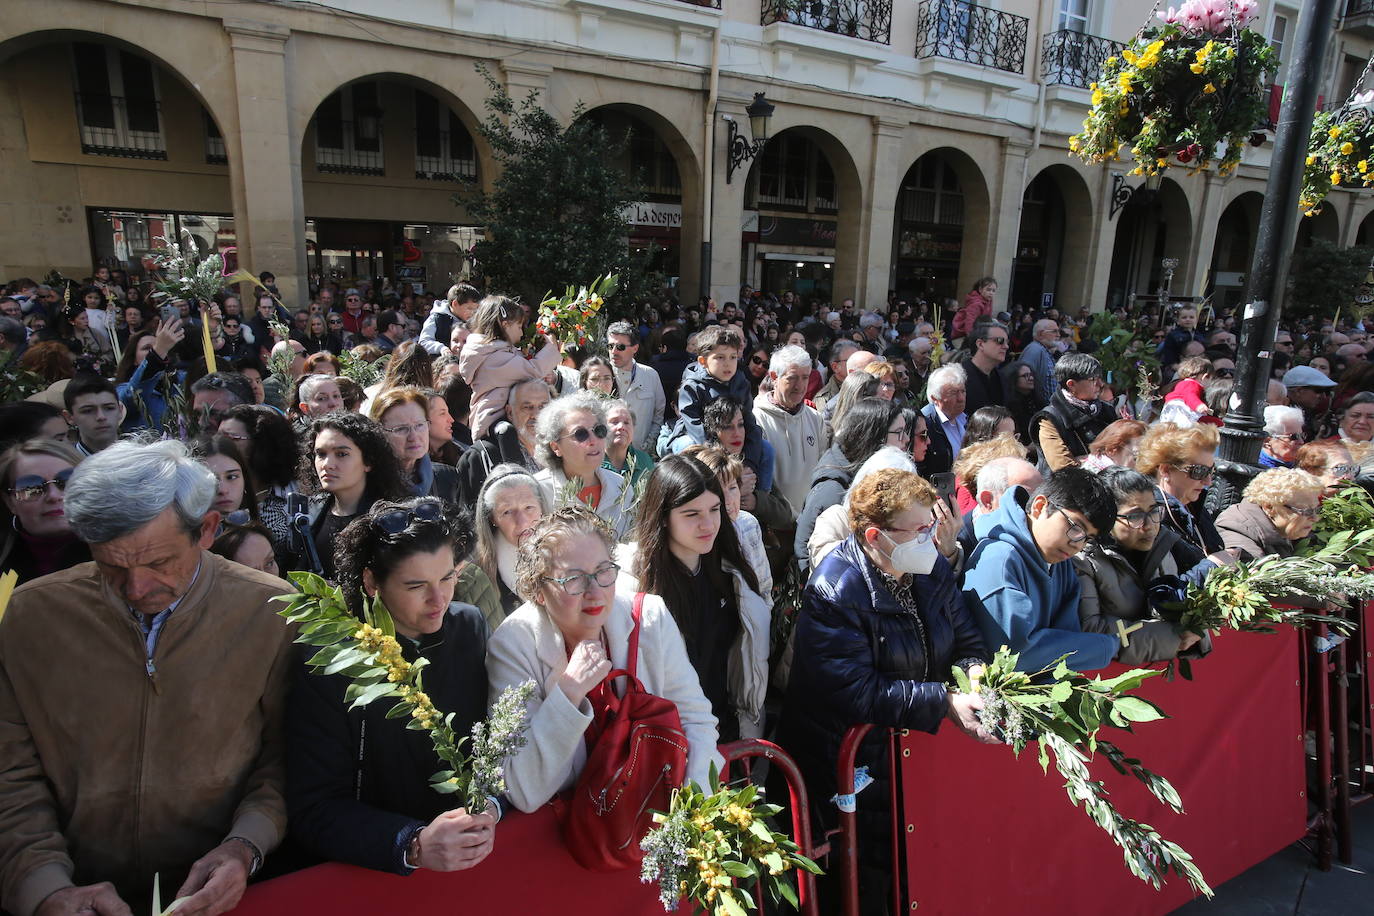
740 149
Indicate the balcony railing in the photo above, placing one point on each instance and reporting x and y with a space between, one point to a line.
441 164
337 150
710 4
1073 58
870 20
973 34
112 125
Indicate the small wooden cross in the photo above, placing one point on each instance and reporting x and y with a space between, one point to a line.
1123 631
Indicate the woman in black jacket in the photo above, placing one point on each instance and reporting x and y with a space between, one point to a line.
357 781
881 625
37 541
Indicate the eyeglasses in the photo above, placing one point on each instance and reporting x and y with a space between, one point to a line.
999 341
1303 511
923 534
578 583
619 346
1198 471
582 434
234 437
406 430
1137 518
1077 534
923 435
1345 470
1290 437
394 521
31 487
901 432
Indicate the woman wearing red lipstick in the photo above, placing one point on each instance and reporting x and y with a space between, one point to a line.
37 540
688 553
572 630
357 782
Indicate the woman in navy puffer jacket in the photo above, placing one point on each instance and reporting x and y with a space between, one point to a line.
881 626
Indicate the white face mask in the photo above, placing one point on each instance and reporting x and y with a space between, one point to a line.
916 556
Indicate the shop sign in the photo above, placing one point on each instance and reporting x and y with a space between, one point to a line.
786 230
664 216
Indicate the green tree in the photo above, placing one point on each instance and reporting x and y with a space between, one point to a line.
555 213
1324 278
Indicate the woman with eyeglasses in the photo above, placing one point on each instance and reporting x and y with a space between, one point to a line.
1278 509
572 631
597 375
570 445
1330 462
357 781
688 553
37 540
1117 571
404 416
347 464
882 622
509 506
1181 460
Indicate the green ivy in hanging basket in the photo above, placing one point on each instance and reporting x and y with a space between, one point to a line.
1190 92
1340 151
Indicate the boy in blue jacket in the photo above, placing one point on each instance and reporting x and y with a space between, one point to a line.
1020 585
715 375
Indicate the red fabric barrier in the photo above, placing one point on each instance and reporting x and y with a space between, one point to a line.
528 871
986 832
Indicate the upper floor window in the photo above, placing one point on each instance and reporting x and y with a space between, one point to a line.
1073 16
117 103
443 147
348 132
792 172
933 194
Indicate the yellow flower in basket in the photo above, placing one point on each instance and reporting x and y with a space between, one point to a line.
1347 148
1334 132
1209 88
1335 177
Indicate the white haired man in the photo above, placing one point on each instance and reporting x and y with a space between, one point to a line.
840 351
1039 355
141 700
945 419
793 427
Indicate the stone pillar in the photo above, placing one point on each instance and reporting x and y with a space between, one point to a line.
727 207
885 171
1004 228
264 160
1105 229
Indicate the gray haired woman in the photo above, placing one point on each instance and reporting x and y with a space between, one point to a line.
570 444
510 504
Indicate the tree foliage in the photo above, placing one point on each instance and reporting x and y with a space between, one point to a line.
1325 277
555 213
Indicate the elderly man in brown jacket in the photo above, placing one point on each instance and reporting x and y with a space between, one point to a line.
141 701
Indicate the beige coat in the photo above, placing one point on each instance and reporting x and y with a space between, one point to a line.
113 767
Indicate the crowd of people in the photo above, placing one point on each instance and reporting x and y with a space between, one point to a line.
828 508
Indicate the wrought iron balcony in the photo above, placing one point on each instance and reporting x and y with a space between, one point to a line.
973 34
1073 58
112 125
870 20
437 158
1359 18
340 150
710 4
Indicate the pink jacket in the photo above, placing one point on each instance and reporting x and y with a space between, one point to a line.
975 307
491 367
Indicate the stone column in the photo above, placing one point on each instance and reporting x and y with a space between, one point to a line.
885 171
1190 280
1004 229
727 207
264 160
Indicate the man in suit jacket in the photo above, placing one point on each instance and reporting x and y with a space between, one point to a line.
945 420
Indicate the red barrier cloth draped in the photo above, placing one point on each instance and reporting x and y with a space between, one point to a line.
528 871
990 833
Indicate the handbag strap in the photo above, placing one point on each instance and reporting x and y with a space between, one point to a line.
637 612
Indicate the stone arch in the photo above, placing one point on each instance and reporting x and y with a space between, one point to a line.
849 193
919 243
1068 246
1234 248
1155 224
1324 225
1364 235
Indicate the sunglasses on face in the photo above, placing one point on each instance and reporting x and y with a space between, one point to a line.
1290 437
1303 511
394 521
31 487
1198 471
582 434
618 347
758 361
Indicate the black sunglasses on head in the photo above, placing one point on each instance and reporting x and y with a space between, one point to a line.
394 521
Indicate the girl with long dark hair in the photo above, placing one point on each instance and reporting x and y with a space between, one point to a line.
689 555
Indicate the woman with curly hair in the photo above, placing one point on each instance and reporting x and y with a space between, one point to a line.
1279 508
346 465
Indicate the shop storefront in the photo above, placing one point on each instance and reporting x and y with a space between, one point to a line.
783 253
128 239
427 256
656 229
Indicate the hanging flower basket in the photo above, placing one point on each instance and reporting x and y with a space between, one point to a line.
1189 92
1340 151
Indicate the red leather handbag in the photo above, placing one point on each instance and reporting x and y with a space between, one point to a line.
637 755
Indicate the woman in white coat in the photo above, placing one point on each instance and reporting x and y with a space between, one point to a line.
570 444
572 631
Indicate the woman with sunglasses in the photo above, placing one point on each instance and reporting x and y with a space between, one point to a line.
689 554
37 540
881 624
1278 509
756 367
570 445
404 416
1118 570
357 781
1330 462
346 465
1181 461
572 630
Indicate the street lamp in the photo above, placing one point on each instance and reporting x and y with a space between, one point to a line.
741 150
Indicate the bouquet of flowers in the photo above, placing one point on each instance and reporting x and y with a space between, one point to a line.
1243 597
1348 511
1063 711
714 848
568 318
1339 149
367 653
185 274
1183 89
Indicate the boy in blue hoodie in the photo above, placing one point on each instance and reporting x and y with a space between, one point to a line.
1020 585
715 375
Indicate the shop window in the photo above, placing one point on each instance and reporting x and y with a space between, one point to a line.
348 132
443 147
117 103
